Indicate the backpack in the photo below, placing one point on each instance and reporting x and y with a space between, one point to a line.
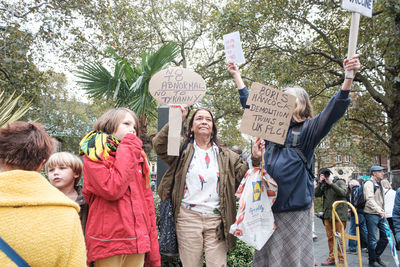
293 142
357 196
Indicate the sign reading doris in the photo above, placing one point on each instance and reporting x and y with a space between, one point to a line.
177 86
269 114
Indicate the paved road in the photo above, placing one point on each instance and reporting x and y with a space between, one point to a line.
321 249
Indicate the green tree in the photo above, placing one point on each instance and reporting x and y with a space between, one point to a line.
285 42
128 86
305 42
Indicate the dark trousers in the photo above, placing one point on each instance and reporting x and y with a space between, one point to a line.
363 231
375 229
391 225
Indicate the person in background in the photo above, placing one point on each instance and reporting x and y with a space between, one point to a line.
332 189
352 249
375 216
291 243
389 196
38 222
396 217
65 171
203 195
121 227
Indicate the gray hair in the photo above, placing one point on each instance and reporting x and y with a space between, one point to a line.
353 183
302 108
385 184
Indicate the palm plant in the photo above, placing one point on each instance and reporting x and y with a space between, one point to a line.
8 113
128 86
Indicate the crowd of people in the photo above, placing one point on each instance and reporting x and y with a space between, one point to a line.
374 202
110 220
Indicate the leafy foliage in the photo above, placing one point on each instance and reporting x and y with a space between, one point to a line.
242 256
8 111
128 85
295 42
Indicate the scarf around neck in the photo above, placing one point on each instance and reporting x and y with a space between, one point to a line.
100 146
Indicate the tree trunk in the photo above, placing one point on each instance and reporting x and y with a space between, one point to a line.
394 113
146 139
395 129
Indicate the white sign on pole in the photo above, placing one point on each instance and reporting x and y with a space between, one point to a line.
233 48
364 7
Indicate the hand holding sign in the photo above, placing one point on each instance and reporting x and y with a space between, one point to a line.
176 87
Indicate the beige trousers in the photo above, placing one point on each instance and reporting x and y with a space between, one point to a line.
133 260
197 231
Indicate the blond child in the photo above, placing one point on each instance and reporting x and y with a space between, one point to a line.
65 171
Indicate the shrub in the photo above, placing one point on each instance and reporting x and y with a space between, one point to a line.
242 256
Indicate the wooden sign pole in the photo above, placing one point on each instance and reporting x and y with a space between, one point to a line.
355 23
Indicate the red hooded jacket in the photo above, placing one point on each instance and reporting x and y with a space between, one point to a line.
121 216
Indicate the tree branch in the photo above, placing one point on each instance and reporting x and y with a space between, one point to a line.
323 35
366 125
380 98
5 74
30 10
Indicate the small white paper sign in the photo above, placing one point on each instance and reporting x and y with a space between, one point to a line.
233 48
364 7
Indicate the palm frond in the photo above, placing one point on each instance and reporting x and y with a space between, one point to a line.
7 109
95 79
159 59
128 84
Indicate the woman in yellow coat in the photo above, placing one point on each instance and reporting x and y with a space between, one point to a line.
37 221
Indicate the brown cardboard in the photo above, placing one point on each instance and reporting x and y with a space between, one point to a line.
269 114
177 86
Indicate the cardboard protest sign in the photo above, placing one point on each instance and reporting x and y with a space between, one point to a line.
358 7
364 7
269 114
175 87
233 48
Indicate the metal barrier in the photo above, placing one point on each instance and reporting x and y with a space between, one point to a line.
342 236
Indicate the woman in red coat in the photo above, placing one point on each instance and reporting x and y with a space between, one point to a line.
121 227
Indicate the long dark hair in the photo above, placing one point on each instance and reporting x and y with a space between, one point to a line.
190 135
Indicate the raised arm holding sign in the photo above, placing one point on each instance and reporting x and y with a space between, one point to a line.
290 163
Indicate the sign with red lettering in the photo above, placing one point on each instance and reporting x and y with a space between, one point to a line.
269 114
177 86
233 48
